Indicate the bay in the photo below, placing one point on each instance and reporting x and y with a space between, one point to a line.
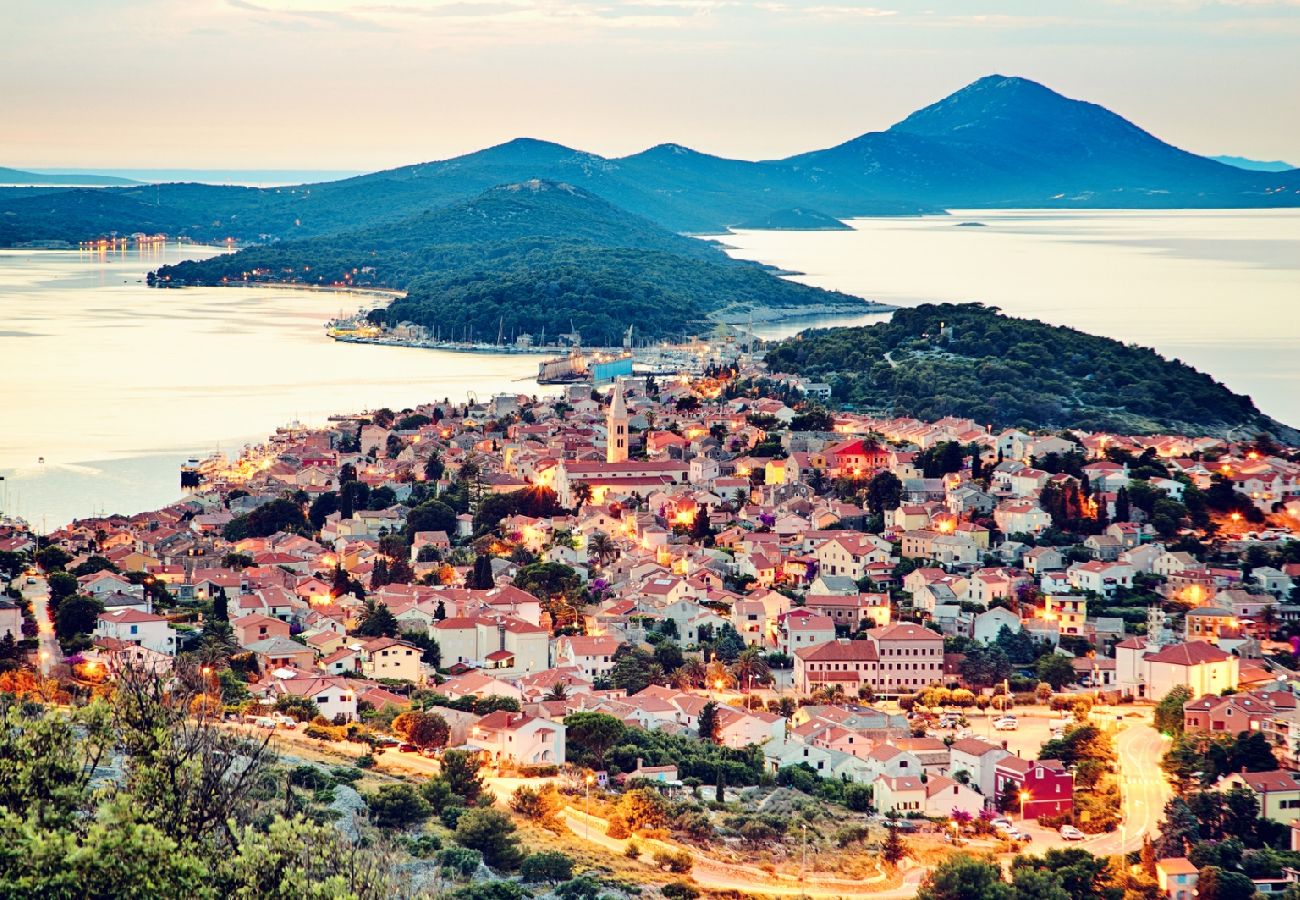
114 384
1218 289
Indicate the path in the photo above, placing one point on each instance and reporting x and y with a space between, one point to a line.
48 651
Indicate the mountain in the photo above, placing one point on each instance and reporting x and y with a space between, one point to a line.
524 257
796 220
1004 141
999 142
21 178
1254 165
970 361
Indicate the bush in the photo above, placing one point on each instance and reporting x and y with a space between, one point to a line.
397 807
491 890
460 861
857 797
450 816
584 887
679 862
679 890
632 851
490 832
539 804
550 866
365 762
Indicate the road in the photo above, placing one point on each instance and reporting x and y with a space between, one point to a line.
48 652
1145 790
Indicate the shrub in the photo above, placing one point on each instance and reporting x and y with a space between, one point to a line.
550 866
632 851
679 862
365 762
539 804
397 807
450 816
461 862
490 832
679 890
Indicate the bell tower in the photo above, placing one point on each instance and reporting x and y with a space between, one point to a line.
616 427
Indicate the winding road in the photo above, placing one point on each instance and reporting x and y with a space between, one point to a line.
1144 789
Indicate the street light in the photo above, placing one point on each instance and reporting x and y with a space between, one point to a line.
1024 795
590 779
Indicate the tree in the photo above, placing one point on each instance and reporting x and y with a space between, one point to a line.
77 616
1214 883
423 729
397 807
1056 670
551 867
52 559
894 849
965 877
707 723
751 668
490 832
460 773
591 734
632 670
539 804
984 666
1169 711
481 578
432 515
643 808
378 621
884 492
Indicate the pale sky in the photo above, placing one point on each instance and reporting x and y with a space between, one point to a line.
352 84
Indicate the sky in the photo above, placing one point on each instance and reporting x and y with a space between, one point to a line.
369 84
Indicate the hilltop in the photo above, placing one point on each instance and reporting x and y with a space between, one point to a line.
972 361
998 142
20 177
523 257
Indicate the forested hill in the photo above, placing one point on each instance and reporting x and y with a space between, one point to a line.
971 361
523 257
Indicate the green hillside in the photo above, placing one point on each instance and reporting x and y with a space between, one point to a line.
971 361
525 257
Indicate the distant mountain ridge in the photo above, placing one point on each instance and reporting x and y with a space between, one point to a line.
998 142
39 179
1255 165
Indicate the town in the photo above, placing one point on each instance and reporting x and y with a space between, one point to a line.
703 632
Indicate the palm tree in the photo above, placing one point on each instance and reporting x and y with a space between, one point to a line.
751 668
690 674
558 692
1268 619
603 547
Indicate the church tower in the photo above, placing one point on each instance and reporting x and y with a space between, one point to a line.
616 427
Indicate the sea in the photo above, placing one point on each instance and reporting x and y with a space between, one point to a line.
107 386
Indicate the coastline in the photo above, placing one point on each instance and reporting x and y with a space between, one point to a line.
770 315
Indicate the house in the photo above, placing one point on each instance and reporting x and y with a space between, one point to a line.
389 658
519 738
988 624
257 627
904 794
1068 612
1143 670
11 619
133 626
336 698
281 653
1044 787
944 795
592 655
1278 792
979 759
799 628
1177 877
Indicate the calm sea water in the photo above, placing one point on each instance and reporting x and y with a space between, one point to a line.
1218 289
115 384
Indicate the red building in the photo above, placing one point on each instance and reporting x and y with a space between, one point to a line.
855 458
1047 786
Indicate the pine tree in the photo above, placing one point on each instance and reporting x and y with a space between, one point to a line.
893 849
220 606
1122 508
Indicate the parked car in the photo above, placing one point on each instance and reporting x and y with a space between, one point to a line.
409 748
1007 723
1070 833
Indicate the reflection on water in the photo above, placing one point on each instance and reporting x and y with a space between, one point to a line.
1218 289
95 366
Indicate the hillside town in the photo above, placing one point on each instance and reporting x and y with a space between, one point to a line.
1016 641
